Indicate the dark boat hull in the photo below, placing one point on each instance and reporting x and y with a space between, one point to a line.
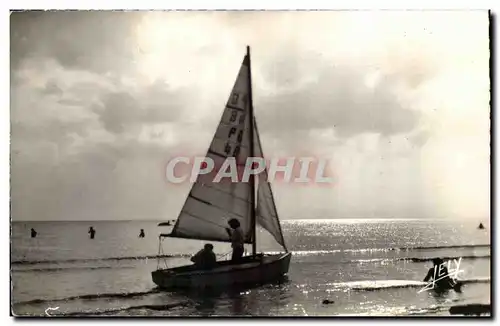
259 269
471 309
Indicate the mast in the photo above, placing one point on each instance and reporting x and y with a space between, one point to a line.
252 177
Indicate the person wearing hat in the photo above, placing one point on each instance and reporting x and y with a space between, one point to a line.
205 258
237 239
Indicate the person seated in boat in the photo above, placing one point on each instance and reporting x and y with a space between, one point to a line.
237 239
33 233
205 258
141 234
481 226
440 276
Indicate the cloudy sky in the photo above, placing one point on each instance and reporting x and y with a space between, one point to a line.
397 101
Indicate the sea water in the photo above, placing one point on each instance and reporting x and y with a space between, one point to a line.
365 266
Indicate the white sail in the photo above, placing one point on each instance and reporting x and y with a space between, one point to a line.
210 205
266 213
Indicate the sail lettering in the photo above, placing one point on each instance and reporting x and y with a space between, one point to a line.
242 119
240 136
236 151
234 113
232 131
227 149
234 99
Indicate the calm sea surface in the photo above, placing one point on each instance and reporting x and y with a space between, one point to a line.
368 267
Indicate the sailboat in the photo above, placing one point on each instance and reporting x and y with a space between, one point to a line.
210 205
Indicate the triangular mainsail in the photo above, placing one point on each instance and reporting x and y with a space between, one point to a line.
266 213
210 205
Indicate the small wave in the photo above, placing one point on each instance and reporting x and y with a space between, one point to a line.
377 285
449 247
83 260
468 309
114 310
432 310
419 248
90 297
416 259
374 260
476 280
324 252
424 259
58 269
295 252
391 284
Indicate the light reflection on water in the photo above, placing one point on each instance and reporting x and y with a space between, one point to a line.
339 261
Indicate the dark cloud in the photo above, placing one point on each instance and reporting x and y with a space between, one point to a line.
88 39
154 104
336 98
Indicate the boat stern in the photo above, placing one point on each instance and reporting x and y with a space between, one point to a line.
162 278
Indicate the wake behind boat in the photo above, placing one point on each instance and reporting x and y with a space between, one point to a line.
210 205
